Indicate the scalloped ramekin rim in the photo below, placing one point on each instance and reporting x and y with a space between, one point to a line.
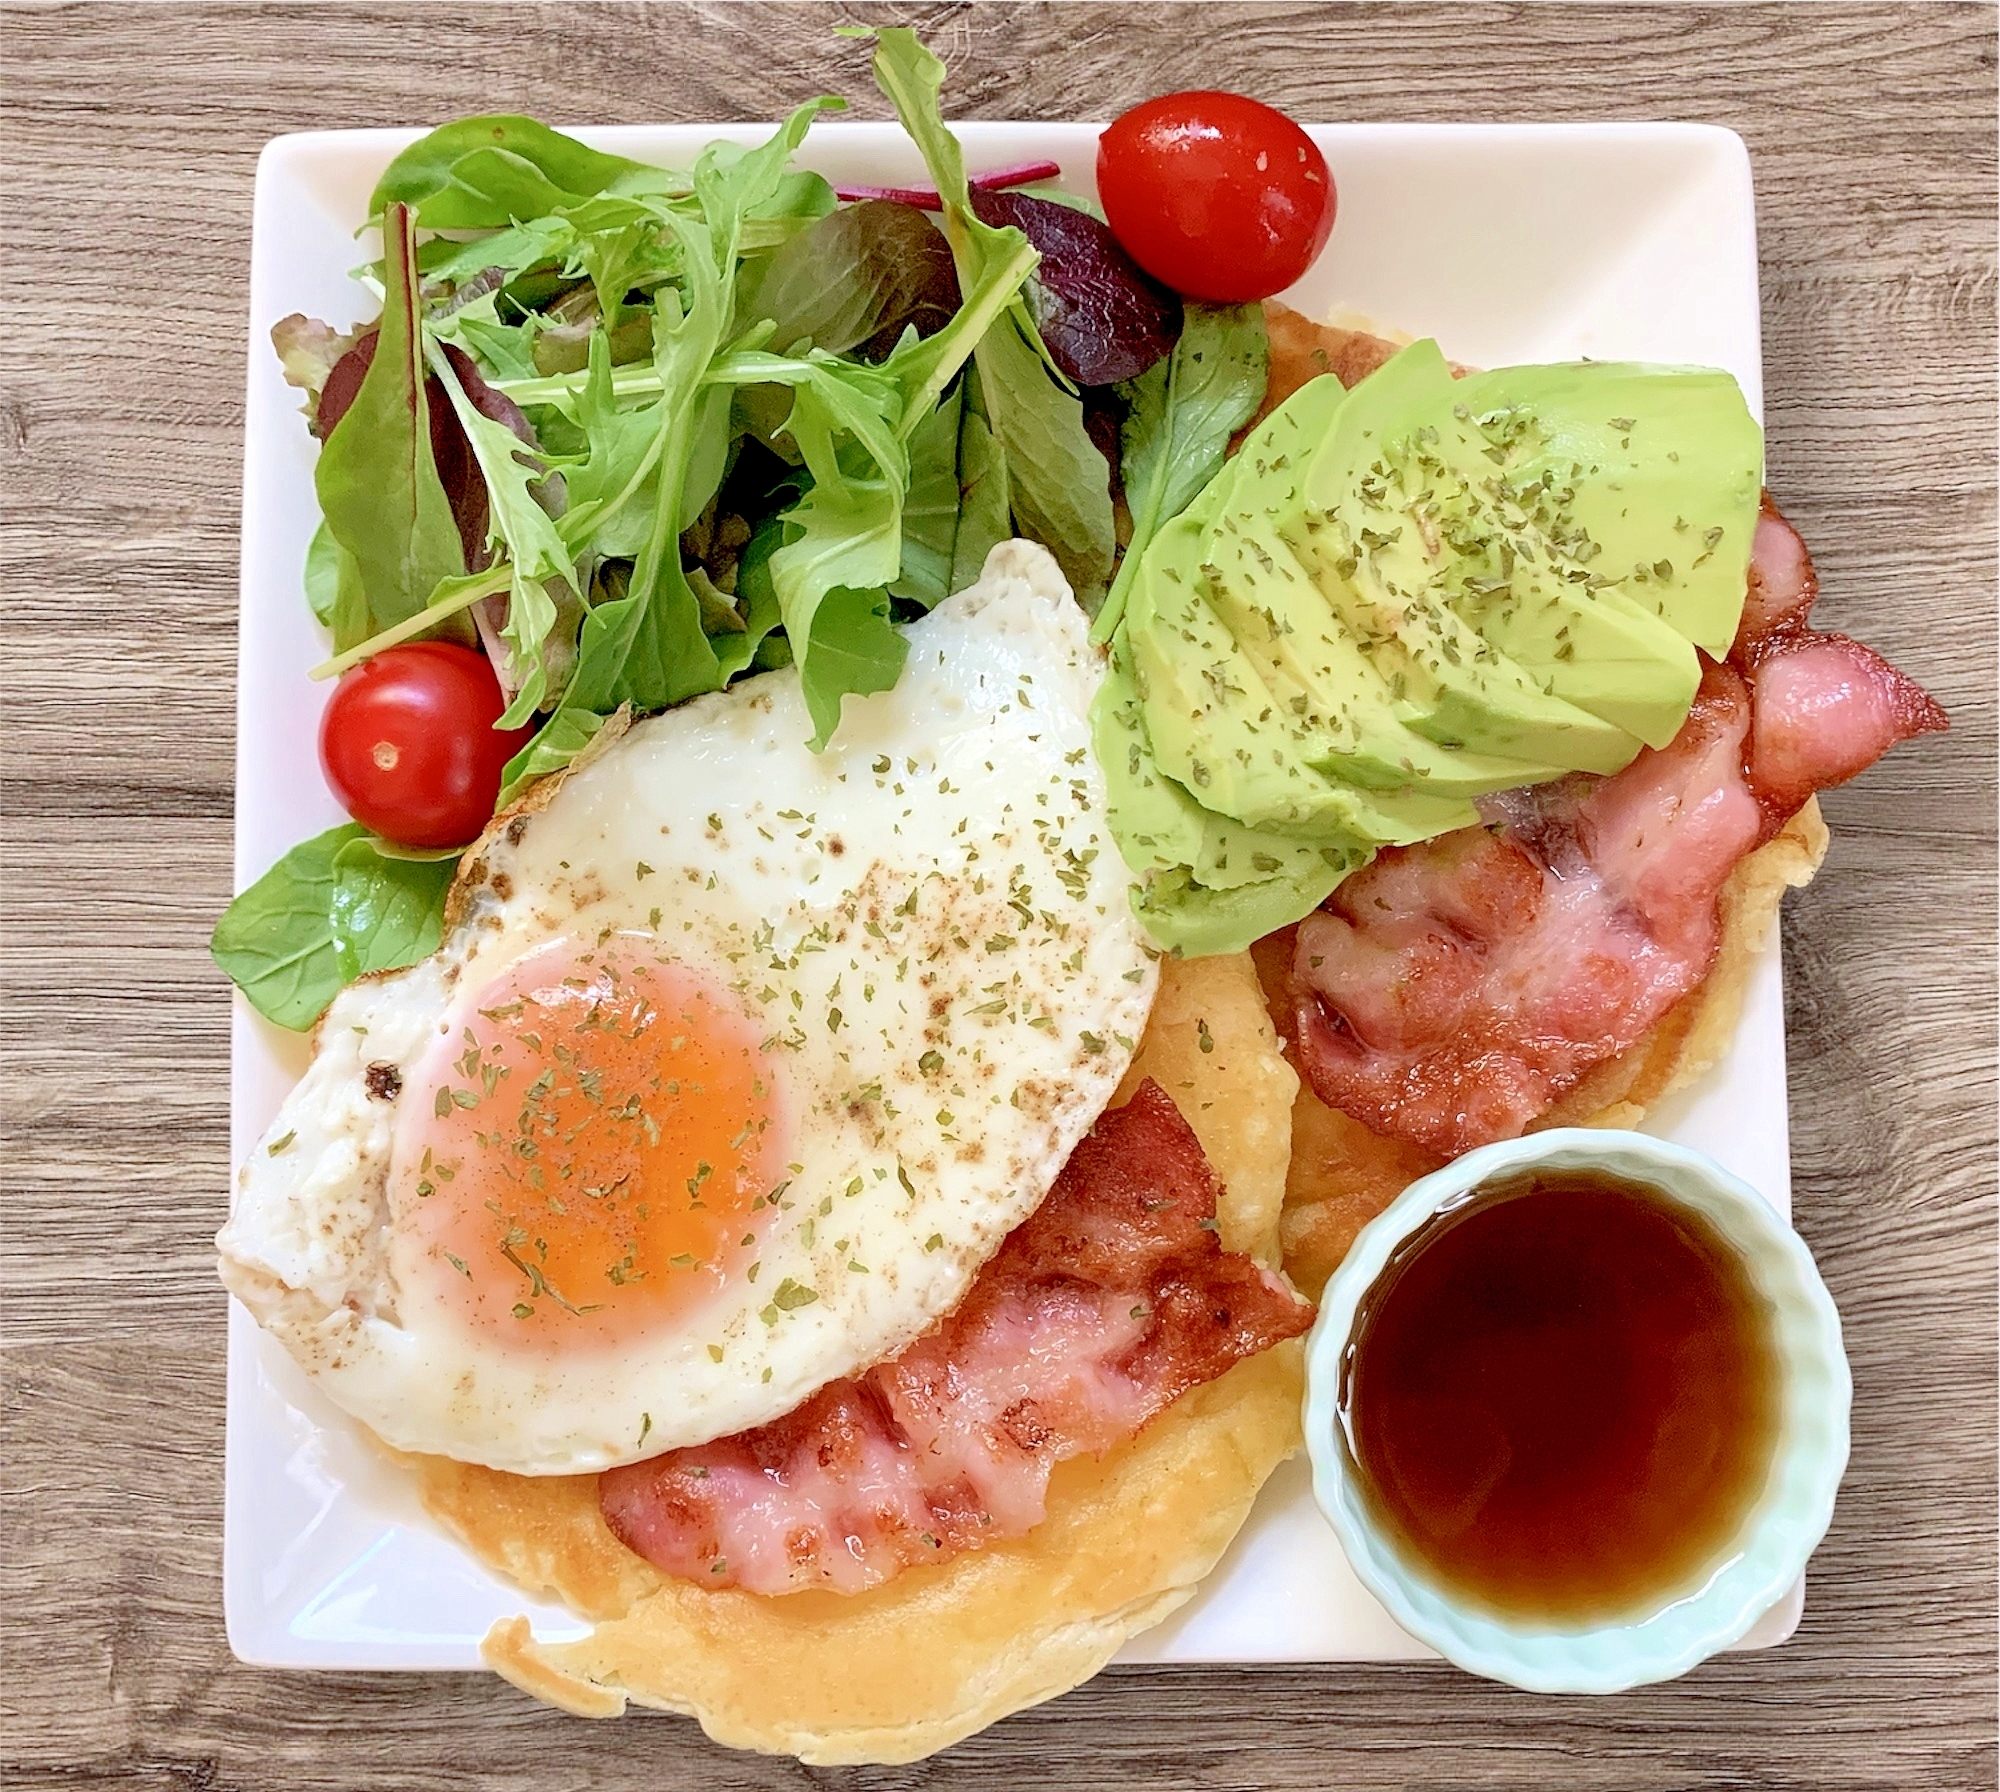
1784 1528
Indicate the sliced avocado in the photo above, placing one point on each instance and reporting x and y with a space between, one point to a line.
1650 477
1349 728
1395 598
1364 528
1206 884
1314 668
1217 729
1593 648
1274 455
1499 547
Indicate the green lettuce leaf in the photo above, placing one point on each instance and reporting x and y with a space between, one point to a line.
931 506
333 590
1179 418
377 481
491 171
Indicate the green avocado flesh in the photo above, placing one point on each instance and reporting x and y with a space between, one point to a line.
1396 599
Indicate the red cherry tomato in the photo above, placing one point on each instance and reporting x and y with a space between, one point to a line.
1219 196
408 743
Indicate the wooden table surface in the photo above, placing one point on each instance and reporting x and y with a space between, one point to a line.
130 138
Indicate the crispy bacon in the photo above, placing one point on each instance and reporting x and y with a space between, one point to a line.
1827 707
1111 1300
1451 992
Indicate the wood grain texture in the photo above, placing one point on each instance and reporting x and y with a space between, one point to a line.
130 138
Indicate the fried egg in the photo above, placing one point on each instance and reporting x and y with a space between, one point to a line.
735 1064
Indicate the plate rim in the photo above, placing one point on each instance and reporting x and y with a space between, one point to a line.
282 153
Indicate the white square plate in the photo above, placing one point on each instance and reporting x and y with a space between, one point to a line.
1508 243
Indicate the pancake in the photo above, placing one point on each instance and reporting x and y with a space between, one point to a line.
910 1667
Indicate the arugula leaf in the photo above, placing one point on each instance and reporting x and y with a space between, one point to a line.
509 253
485 172
504 351
331 909
1182 413
536 552
565 735
377 479
1059 484
846 531
647 647
854 649
618 259
666 656
611 492
757 600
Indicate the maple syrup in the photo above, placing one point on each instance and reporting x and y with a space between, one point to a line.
1562 1397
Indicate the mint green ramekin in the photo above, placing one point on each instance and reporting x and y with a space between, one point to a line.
1780 1532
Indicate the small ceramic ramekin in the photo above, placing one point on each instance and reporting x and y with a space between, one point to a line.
1777 1536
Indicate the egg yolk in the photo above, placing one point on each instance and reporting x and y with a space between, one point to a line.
593 1154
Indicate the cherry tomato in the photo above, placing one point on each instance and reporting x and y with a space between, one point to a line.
1219 196
408 743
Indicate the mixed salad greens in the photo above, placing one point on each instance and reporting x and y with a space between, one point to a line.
637 433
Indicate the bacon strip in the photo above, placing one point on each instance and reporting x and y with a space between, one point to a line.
1451 992
1113 1299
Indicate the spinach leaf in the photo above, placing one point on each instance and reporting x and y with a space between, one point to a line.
377 478
1177 429
331 909
1059 485
275 940
387 911
490 171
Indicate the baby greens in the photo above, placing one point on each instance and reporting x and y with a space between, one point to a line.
643 431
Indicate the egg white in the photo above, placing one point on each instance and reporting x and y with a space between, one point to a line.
930 922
